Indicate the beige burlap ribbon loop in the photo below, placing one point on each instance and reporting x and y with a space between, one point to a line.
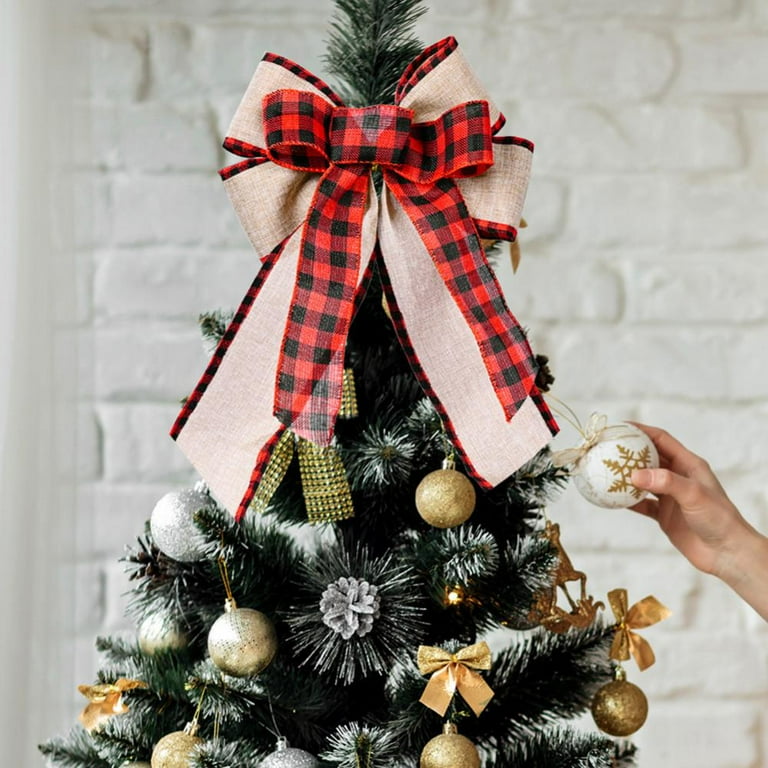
468 351
452 672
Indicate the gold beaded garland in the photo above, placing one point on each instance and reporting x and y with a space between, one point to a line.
619 707
449 750
175 749
445 498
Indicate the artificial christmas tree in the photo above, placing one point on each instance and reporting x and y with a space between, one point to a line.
423 465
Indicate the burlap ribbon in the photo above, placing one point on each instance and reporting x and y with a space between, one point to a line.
452 672
644 613
105 701
306 197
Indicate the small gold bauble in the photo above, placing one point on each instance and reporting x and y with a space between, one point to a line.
242 642
445 498
619 708
174 750
449 750
159 633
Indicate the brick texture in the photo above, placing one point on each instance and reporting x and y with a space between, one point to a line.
643 278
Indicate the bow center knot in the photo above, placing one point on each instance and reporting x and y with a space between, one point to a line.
376 135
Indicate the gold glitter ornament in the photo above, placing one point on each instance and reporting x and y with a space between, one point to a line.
242 642
449 750
176 749
619 707
160 632
445 498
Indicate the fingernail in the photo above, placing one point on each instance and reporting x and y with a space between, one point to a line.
641 477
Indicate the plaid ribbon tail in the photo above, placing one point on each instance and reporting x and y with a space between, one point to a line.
454 246
310 375
444 354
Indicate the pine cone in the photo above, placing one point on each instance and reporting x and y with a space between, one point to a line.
544 377
350 606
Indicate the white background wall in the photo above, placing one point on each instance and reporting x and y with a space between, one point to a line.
643 278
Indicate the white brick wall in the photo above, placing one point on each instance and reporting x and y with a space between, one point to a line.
648 207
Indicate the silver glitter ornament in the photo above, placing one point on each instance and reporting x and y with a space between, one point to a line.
160 632
242 642
173 524
288 757
135 765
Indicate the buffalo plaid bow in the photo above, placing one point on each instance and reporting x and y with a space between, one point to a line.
305 196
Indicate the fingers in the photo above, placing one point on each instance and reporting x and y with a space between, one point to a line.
648 508
674 455
686 492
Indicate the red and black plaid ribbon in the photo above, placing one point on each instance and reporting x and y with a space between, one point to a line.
422 164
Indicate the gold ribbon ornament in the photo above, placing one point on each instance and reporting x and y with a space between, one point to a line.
105 701
644 613
453 672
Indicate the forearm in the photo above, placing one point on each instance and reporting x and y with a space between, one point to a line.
744 567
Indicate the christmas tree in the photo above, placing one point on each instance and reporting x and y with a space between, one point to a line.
342 605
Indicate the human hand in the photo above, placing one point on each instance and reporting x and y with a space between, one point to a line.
692 508
694 511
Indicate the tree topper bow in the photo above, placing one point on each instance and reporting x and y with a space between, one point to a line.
306 198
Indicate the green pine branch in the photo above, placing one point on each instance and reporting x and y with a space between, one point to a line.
370 44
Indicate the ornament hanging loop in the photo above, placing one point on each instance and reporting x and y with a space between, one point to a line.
231 603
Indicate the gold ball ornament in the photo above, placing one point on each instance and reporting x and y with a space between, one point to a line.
620 707
242 642
160 632
445 498
449 750
175 749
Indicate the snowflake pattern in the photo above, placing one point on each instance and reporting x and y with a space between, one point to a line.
628 461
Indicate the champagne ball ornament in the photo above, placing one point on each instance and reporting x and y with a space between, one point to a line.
449 750
445 498
173 524
160 632
242 642
286 756
619 707
602 465
176 749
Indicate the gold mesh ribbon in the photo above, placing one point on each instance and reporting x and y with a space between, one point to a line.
324 480
348 408
278 465
644 613
105 701
453 672
327 495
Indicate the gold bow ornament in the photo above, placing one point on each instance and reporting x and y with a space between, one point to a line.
453 672
105 701
644 613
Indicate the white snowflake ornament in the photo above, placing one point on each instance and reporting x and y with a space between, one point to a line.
602 465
